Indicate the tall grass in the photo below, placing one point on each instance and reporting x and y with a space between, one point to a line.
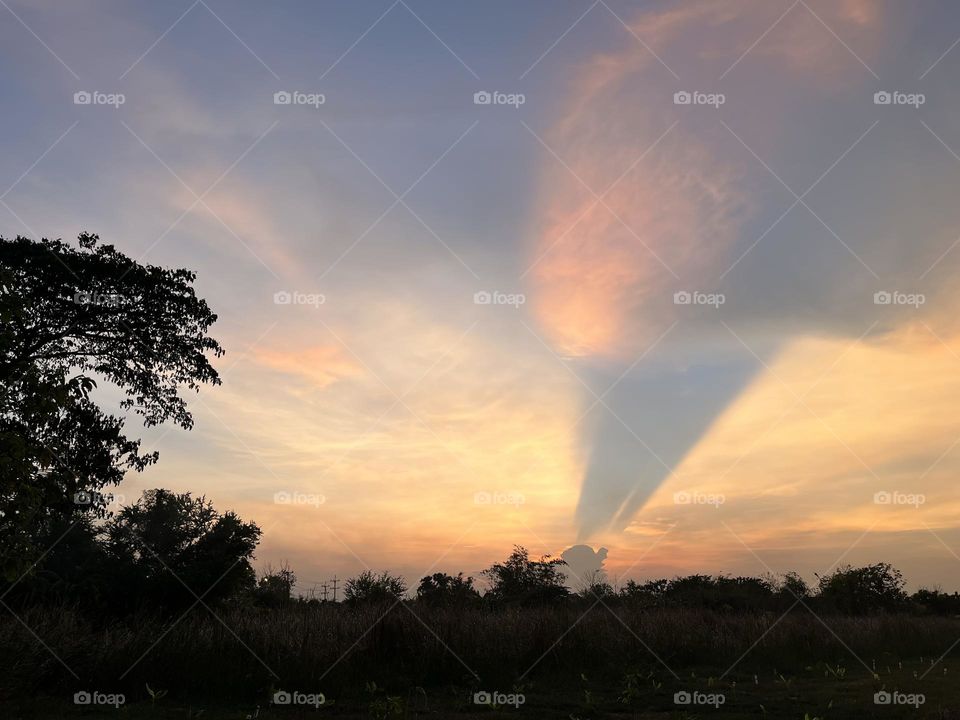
337 650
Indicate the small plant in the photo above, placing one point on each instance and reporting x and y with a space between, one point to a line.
631 690
839 672
381 705
587 693
155 694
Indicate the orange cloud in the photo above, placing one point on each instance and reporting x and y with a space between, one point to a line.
319 365
604 270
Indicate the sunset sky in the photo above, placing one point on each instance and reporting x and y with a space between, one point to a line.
787 418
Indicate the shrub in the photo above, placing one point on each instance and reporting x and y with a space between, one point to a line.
368 587
863 590
522 580
442 589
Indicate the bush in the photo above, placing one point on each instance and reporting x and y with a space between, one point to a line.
367 588
275 588
936 602
441 589
867 589
524 581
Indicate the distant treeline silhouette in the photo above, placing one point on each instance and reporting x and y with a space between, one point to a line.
167 549
73 316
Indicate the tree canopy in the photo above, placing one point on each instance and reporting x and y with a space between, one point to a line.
70 317
522 580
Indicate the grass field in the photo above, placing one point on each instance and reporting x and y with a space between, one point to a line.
569 662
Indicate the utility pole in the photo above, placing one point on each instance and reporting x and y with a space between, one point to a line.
334 581
324 586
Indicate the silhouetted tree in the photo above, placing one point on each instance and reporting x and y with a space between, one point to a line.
368 587
864 589
791 587
937 602
441 589
275 587
522 580
596 587
167 544
648 594
69 316
76 570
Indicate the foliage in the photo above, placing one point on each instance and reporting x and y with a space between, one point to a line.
935 601
370 588
275 587
522 580
864 589
68 318
170 548
443 589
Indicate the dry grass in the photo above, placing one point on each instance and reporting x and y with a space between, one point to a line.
339 651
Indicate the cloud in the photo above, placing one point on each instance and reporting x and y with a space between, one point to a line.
801 453
318 366
647 200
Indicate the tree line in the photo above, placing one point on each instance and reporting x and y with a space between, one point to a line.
168 552
73 317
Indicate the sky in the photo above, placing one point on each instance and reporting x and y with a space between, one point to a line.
668 278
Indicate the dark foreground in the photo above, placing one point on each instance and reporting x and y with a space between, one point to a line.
571 663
